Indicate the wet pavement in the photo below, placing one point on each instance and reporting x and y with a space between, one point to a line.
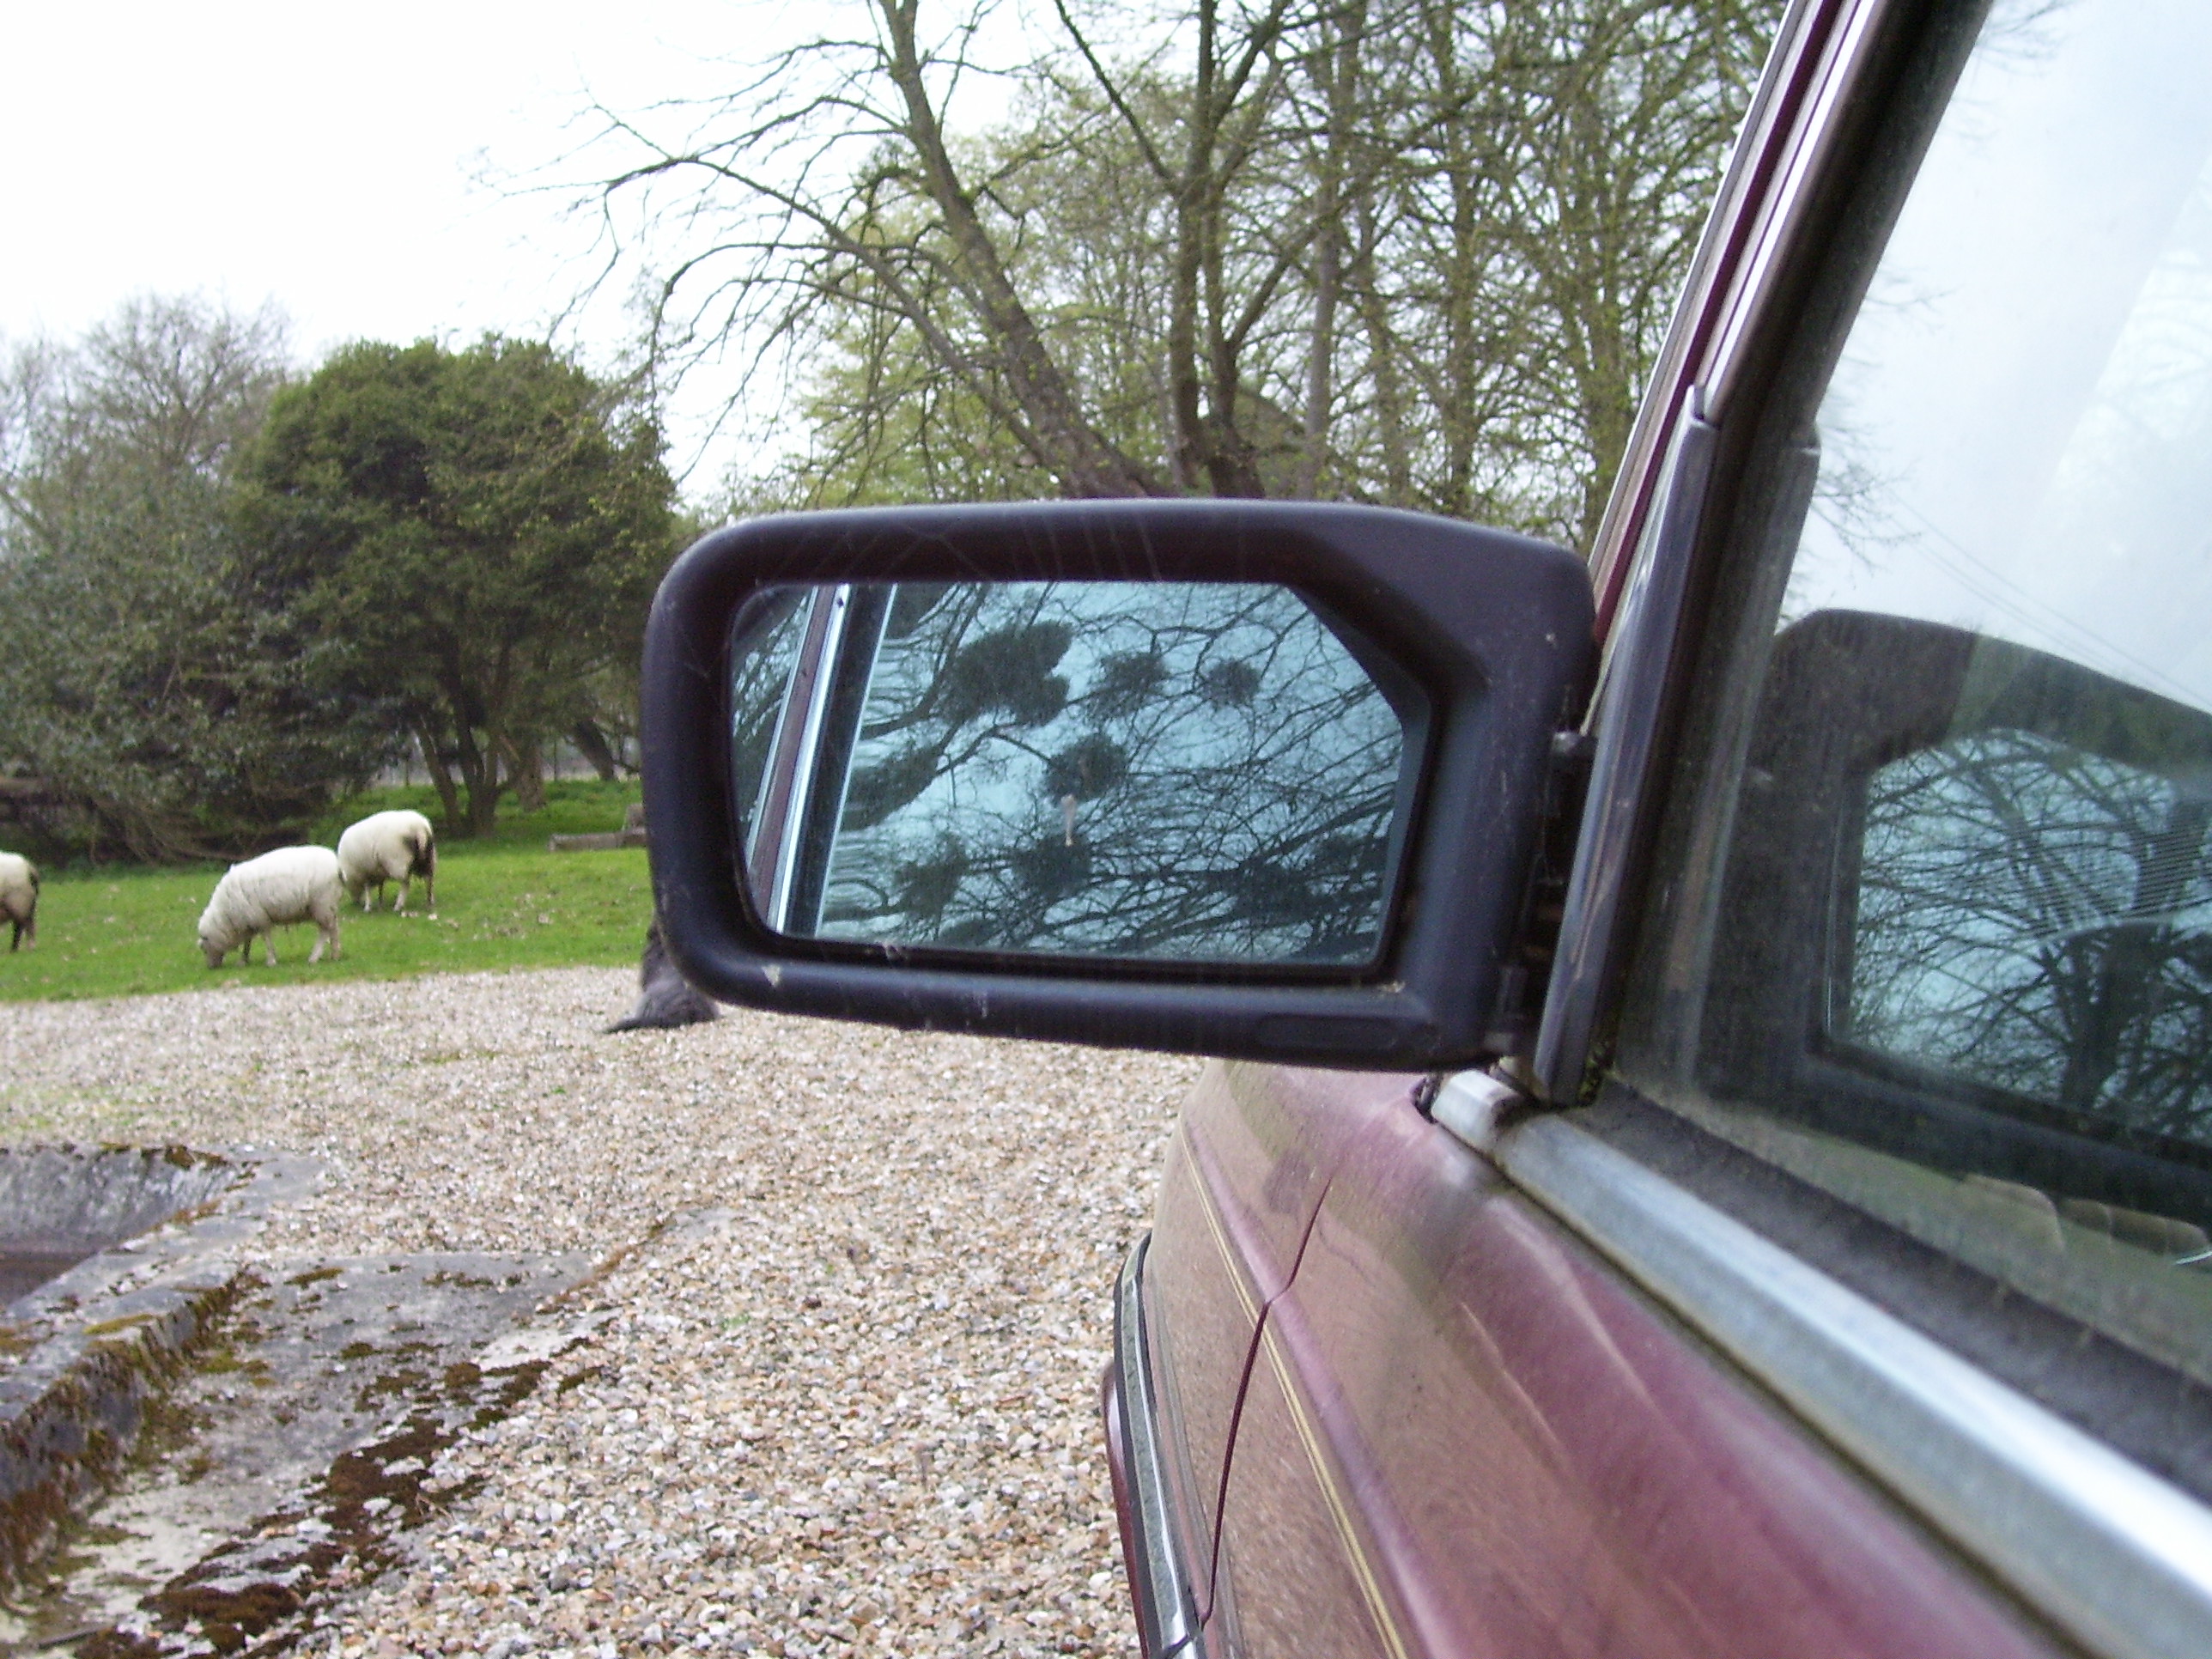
301 1440
862 1415
25 1264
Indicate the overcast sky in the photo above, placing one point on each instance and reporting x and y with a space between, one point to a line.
2023 404
333 161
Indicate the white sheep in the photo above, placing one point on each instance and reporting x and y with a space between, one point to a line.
390 847
293 883
19 897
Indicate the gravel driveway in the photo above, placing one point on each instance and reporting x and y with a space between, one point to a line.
856 1412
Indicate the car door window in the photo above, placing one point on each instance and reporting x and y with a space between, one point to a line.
1935 917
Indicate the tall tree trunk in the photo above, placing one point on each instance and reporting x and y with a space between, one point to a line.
1458 409
1086 463
1193 445
478 764
591 743
526 765
1338 67
484 796
1383 367
1321 357
441 779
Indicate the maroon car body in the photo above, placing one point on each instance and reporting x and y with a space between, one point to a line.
1463 1433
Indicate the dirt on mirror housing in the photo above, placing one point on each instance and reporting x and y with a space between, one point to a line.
835 1390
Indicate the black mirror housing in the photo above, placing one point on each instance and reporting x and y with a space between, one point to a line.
1494 628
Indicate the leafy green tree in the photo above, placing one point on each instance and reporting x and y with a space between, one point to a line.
1407 252
165 718
481 529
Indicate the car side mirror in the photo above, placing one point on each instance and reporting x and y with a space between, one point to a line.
1257 780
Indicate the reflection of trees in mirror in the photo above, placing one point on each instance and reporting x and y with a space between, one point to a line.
1144 770
2039 919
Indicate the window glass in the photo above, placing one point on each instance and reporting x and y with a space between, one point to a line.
2037 918
2014 439
1936 919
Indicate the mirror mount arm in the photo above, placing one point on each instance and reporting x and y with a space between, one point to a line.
1527 975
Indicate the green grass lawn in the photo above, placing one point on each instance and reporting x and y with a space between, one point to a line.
503 902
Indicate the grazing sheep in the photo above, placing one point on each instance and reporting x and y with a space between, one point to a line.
390 847
19 897
665 999
293 883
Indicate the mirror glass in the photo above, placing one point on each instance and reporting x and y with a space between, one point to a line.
1154 771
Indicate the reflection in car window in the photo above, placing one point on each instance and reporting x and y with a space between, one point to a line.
2037 919
1937 924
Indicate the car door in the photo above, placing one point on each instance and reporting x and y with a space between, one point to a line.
1253 1155
1833 1280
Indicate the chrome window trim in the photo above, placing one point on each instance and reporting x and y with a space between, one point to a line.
1167 1616
1819 50
1781 214
2115 1557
